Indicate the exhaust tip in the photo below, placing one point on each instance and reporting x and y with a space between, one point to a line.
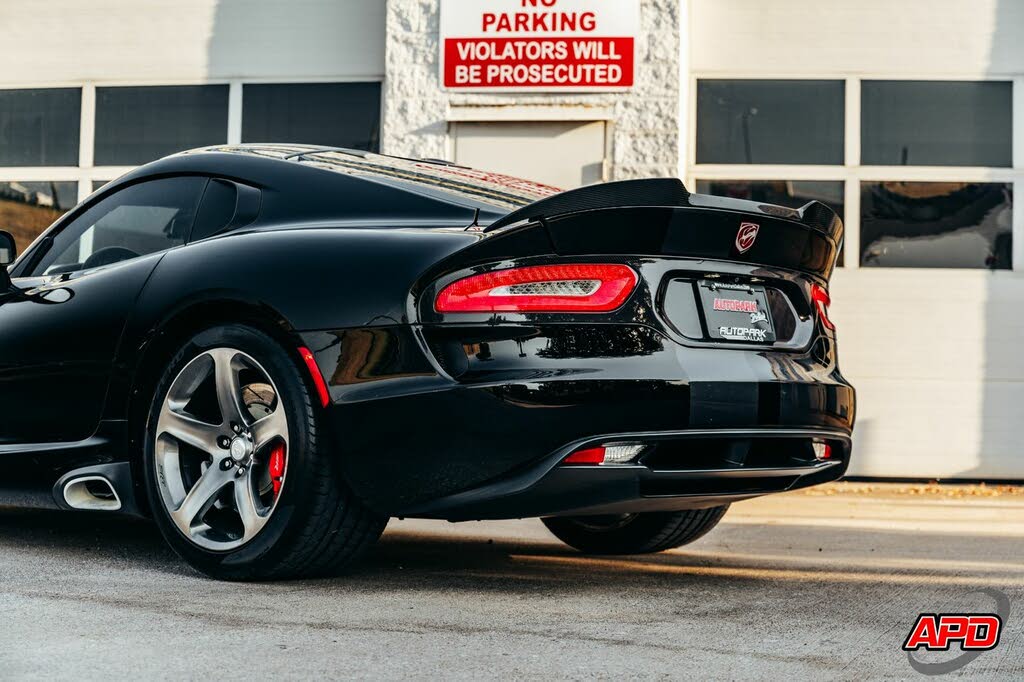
91 493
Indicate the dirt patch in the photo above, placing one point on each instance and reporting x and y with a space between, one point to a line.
26 222
932 489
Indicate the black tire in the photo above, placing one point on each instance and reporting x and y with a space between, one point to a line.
317 526
634 533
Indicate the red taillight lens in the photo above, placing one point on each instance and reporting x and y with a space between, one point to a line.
821 301
588 456
587 288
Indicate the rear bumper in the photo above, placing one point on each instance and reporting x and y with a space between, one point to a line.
479 434
551 488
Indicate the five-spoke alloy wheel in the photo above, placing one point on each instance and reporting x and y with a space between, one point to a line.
217 478
238 477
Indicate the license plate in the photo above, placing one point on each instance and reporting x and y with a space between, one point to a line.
737 312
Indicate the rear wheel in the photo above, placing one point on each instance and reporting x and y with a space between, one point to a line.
241 484
634 533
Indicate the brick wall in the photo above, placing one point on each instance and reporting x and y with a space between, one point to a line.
645 127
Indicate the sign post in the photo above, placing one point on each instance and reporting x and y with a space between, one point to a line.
539 45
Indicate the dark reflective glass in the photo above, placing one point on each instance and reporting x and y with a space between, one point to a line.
936 123
132 222
329 114
791 193
216 209
137 125
40 127
936 224
770 121
28 208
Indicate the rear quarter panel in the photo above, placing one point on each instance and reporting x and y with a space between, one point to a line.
304 279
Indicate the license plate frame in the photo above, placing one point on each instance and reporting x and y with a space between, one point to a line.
737 313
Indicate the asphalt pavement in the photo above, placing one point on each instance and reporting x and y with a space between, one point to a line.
808 585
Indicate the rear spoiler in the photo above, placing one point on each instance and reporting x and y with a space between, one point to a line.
660 217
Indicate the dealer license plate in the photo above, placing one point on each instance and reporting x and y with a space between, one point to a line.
737 312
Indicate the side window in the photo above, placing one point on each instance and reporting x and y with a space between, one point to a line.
217 209
136 221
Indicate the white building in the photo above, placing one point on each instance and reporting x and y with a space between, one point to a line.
906 116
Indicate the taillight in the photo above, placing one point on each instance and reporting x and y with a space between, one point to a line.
821 301
612 453
586 288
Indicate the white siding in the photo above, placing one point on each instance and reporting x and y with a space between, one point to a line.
857 36
70 41
936 359
936 355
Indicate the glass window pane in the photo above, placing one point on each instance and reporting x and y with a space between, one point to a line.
329 114
216 210
936 224
790 193
135 221
28 208
770 121
40 127
138 125
936 123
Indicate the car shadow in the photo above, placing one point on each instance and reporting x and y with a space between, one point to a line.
425 560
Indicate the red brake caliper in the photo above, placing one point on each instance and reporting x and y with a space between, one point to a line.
277 464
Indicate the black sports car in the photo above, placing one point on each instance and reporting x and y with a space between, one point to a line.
273 349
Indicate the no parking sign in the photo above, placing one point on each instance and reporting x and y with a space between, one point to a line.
539 45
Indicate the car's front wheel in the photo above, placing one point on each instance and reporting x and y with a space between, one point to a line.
240 481
634 533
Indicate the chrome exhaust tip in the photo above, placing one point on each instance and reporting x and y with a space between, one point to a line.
101 487
91 493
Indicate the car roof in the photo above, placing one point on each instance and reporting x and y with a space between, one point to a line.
492 194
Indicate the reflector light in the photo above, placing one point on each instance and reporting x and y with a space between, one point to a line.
821 301
588 456
613 453
583 287
318 378
822 450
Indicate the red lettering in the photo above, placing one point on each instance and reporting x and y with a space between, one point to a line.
924 634
734 305
983 632
952 629
539 22
937 633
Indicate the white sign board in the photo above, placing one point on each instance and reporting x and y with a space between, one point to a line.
539 45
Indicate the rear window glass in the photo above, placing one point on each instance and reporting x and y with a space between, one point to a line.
493 189
216 210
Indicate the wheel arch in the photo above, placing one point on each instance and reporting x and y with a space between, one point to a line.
148 358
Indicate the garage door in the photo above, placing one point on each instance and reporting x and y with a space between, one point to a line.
559 153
